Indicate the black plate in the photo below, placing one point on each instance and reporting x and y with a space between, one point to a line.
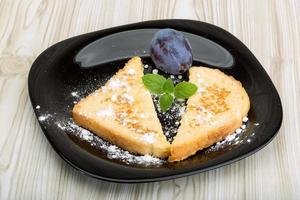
55 74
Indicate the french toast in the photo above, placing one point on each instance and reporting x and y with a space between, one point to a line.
122 112
215 111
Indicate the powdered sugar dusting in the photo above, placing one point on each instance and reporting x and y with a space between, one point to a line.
131 71
245 119
232 139
75 94
114 84
112 151
148 137
108 112
129 98
44 117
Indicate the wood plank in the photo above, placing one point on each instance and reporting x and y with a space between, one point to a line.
29 167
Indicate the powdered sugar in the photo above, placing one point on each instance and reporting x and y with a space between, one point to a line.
201 89
232 139
148 137
155 71
86 135
44 117
181 110
108 112
60 126
75 94
114 98
114 84
129 98
112 151
245 119
144 115
131 71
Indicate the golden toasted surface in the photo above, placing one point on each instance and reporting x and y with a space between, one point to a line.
215 111
123 113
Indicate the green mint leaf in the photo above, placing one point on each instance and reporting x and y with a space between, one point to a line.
168 86
184 90
154 83
165 101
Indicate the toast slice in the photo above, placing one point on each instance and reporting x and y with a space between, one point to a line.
215 111
123 113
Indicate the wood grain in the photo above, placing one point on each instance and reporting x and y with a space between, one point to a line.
29 167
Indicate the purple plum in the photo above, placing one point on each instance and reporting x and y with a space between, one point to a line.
171 52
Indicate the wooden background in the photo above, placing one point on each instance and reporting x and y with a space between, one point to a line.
29 167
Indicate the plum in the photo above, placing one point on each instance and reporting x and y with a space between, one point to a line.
171 52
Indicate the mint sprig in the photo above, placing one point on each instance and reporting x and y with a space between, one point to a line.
168 86
154 83
165 101
158 84
184 90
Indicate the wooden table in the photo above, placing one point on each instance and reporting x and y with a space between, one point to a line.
29 167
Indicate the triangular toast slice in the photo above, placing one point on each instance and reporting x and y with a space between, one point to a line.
123 113
215 111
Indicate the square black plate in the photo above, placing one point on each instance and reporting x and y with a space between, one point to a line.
55 74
